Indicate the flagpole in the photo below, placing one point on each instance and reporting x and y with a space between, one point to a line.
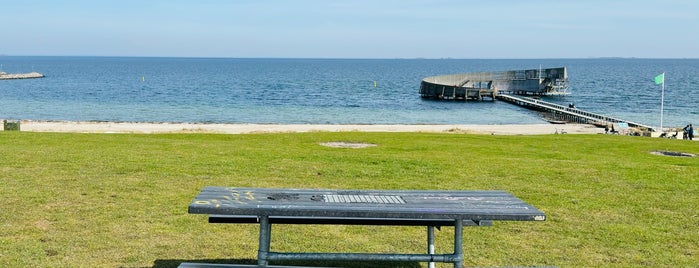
662 101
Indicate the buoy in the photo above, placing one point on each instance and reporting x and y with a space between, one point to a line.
143 79
374 83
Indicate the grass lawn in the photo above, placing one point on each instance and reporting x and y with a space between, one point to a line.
120 200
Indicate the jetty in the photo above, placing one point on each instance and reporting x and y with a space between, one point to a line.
514 87
6 76
566 114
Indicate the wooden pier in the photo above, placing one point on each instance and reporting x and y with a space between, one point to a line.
569 114
6 76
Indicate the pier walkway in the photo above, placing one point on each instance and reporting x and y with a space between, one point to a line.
568 114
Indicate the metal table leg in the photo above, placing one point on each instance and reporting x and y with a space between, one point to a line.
458 244
264 243
430 243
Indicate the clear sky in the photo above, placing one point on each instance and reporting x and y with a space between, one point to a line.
352 28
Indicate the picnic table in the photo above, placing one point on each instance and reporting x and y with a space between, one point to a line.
268 206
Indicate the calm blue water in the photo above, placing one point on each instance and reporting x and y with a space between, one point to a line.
325 91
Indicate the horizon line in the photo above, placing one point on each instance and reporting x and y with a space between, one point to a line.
352 58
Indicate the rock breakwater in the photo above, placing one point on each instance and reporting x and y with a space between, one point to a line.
6 76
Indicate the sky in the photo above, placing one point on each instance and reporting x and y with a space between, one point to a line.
351 28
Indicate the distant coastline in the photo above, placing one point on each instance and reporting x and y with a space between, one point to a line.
6 76
347 58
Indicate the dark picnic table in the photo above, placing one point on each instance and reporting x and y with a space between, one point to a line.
268 206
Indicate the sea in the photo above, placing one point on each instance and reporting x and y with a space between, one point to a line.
328 91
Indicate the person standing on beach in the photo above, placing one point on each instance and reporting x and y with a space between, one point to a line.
688 132
691 132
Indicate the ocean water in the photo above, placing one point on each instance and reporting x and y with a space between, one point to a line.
326 91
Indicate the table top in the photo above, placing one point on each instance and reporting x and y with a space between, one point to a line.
413 204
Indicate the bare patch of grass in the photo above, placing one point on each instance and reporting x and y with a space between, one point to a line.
347 144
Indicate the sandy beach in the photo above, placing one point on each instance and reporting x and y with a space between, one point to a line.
146 128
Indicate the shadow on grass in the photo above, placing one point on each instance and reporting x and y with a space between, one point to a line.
354 264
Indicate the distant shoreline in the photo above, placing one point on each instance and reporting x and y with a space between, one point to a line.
6 76
349 58
150 128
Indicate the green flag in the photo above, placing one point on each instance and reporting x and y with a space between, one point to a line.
660 79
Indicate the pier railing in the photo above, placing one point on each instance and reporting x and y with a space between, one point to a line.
550 81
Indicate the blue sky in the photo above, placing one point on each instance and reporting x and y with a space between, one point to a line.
352 29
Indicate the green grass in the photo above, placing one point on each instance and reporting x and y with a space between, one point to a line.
120 200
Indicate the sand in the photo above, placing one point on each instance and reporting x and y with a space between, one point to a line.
146 128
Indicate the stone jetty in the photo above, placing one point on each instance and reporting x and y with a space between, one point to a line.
6 76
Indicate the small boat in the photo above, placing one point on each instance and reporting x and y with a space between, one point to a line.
552 121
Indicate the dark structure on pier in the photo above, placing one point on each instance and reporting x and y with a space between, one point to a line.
476 86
